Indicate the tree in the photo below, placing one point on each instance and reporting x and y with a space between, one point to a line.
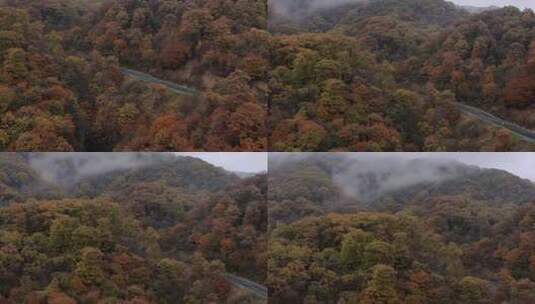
89 269
353 250
332 103
381 288
473 290
15 68
171 280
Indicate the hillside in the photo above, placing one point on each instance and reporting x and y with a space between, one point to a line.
378 75
20 182
140 228
385 75
396 230
312 16
252 75
336 182
478 9
63 90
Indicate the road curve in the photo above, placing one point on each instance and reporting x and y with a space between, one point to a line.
522 132
147 78
243 283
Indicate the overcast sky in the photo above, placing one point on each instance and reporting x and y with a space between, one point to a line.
519 3
249 162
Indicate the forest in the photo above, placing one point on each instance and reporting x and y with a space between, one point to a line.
349 228
142 228
258 75
62 86
388 75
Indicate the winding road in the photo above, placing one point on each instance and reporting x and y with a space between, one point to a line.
243 283
147 78
238 282
522 132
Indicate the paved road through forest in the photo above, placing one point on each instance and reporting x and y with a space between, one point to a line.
522 132
238 282
147 78
243 283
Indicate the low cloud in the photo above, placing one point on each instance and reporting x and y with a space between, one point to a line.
68 168
300 8
368 178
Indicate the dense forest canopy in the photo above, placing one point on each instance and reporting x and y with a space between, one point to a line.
284 75
155 229
62 88
386 75
375 229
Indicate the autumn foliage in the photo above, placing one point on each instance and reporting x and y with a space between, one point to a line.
163 233
457 240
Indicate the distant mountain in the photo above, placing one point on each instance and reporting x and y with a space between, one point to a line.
420 228
337 182
188 174
244 174
478 9
43 175
310 16
159 224
492 186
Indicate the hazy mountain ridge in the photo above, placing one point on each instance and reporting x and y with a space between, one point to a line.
383 75
161 225
94 174
478 9
307 15
374 183
397 230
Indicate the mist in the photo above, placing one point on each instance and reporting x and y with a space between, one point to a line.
299 9
369 176
68 168
485 3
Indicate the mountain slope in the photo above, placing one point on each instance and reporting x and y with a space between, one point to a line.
420 230
19 181
389 75
316 184
141 228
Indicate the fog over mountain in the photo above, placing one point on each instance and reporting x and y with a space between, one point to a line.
130 216
520 164
485 3
289 7
403 218
68 168
367 180
369 176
